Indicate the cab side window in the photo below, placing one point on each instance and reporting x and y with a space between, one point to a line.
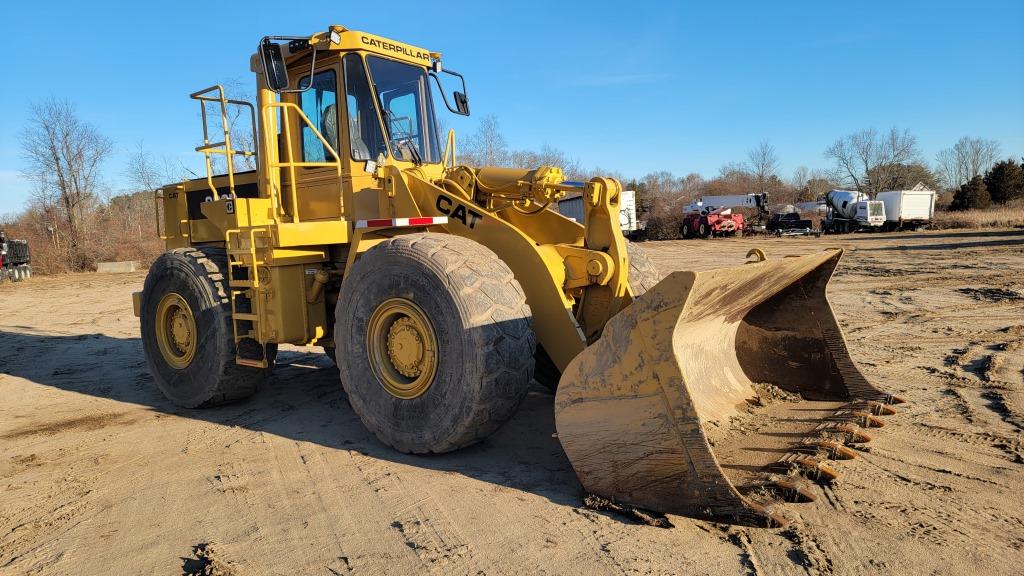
320 105
363 124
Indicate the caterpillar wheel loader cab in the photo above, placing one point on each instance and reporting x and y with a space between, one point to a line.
441 290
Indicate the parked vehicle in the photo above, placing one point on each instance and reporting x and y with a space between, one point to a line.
757 205
790 224
15 259
851 211
712 222
907 209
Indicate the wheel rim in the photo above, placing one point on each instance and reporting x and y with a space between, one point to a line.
176 331
402 348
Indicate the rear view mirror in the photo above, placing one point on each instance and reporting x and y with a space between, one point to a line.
461 103
273 65
460 97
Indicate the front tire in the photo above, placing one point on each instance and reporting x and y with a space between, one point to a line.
187 334
434 341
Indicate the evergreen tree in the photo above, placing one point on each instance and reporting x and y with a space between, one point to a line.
971 195
1005 181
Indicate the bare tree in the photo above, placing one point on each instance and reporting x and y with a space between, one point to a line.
141 171
800 177
763 163
63 155
968 158
486 146
866 159
144 173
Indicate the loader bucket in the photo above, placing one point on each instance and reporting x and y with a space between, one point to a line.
718 393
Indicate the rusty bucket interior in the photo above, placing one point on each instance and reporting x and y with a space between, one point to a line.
718 394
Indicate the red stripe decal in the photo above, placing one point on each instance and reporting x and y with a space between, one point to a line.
422 221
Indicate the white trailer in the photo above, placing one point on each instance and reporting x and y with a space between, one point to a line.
907 208
730 201
573 208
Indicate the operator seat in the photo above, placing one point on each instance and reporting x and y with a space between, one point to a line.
329 127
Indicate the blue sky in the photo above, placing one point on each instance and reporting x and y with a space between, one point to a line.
630 87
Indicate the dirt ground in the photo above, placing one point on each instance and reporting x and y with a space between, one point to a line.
99 474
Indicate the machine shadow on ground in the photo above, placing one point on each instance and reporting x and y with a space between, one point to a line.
304 402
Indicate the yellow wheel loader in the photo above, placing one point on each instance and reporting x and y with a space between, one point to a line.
442 290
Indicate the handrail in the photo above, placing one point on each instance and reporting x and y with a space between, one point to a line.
208 149
449 150
158 196
288 163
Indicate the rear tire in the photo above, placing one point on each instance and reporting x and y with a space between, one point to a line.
203 374
643 275
459 341
703 231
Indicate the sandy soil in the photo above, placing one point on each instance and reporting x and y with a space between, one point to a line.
99 474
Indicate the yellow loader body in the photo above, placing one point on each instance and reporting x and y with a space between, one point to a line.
703 394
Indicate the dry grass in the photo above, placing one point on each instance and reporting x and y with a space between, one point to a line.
1003 216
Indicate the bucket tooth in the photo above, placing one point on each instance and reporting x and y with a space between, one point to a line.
767 516
789 488
832 450
894 399
880 409
812 468
793 489
662 411
854 435
867 420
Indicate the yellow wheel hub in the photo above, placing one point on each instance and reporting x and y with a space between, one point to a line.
176 331
402 348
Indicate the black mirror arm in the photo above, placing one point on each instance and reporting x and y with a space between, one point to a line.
444 96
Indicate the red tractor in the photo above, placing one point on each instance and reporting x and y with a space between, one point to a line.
712 222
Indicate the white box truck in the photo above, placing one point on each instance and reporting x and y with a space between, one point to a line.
907 209
573 208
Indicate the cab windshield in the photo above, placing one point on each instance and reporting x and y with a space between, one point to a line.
407 109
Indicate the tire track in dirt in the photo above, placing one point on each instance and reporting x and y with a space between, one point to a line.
415 515
331 476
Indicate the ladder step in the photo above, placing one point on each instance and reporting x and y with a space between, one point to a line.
245 316
232 283
250 363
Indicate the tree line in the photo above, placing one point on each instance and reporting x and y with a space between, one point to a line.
967 175
72 220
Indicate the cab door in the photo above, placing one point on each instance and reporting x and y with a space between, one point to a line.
319 188
341 104
364 139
